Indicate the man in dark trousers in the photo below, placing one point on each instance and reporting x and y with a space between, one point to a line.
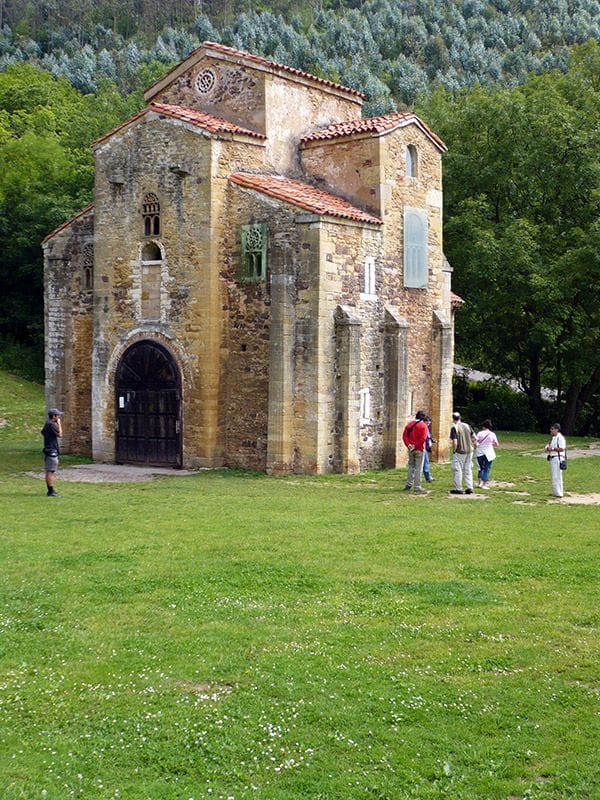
52 432
414 437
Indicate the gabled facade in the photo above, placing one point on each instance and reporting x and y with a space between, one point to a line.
260 281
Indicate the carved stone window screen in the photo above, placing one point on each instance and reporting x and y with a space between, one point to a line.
88 267
206 81
151 214
254 252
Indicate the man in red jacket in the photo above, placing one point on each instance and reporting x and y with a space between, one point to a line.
414 437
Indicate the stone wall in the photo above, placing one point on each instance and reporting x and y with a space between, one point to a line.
68 329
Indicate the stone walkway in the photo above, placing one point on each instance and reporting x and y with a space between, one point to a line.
113 473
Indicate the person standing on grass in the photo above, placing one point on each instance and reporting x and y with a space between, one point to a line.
462 439
429 442
557 452
414 437
485 441
52 432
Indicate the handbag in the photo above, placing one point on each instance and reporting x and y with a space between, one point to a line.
563 461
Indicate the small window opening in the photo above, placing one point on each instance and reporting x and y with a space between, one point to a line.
88 267
254 252
151 215
369 276
411 161
365 405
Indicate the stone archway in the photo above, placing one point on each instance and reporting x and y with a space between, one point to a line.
148 406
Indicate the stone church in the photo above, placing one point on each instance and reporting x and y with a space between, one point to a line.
259 282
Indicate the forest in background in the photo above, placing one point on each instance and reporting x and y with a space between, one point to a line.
511 85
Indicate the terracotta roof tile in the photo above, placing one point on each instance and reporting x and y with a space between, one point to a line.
456 300
265 62
69 221
304 196
376 126
201 119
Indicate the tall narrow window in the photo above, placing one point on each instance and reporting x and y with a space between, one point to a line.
369 276
365 405
151 215
416 268
88 268
254 252
411 161
151 281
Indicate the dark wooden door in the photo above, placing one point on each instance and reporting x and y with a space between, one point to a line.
148 403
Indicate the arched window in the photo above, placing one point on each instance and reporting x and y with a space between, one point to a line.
411 161
151 215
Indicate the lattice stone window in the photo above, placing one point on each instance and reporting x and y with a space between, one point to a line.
205 81
254 252
151 214
88 267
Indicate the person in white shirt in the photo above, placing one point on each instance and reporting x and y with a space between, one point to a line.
557 451
485 441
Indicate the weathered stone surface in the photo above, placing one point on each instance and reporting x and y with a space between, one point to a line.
314 370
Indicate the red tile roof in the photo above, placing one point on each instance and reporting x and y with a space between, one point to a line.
304 196
213 47
203 120
376 126
456 300
69 221
200 119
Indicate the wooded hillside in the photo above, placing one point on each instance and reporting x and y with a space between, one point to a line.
513 86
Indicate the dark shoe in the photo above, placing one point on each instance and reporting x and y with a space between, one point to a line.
456 491
52 494
408 487
468 491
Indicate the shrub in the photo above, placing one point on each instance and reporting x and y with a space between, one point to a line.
507 408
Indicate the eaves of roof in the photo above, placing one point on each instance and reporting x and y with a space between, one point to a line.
200 119
70 221
303 196
373 126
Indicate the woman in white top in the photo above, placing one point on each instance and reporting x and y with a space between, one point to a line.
485 441
557 451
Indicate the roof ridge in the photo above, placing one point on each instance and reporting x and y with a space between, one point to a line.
251 57
384 123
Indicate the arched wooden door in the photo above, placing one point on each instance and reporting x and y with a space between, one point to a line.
148 406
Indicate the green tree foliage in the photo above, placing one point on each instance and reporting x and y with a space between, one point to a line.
46 175
522 195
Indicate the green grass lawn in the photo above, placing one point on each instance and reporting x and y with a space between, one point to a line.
229 635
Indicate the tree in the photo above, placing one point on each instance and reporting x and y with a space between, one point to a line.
522 195
46 175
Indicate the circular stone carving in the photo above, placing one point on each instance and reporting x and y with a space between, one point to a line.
205 81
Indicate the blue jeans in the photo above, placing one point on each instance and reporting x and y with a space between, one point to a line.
484 468
426 466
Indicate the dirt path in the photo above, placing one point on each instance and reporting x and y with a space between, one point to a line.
114 473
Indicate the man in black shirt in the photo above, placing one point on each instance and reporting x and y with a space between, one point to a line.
52 431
